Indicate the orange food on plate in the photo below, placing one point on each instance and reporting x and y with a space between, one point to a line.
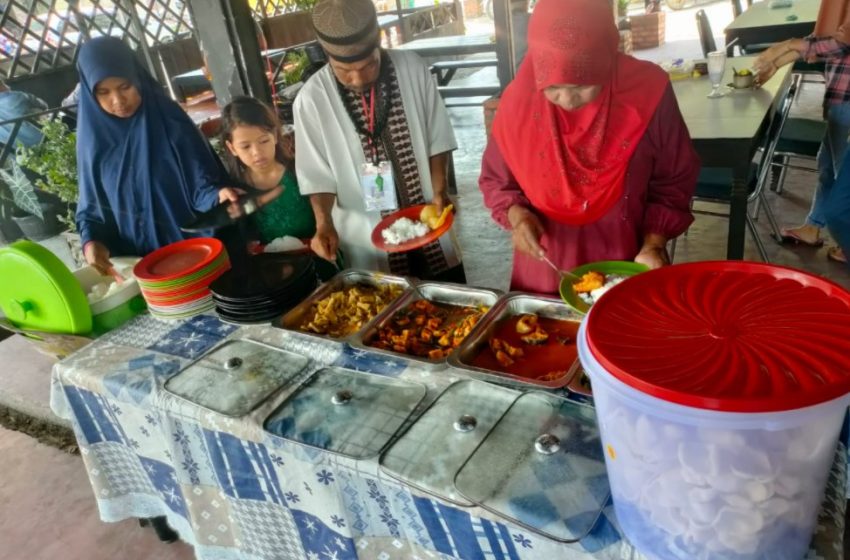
590 281
432 219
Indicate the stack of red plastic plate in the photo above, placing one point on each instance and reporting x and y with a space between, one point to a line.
175 279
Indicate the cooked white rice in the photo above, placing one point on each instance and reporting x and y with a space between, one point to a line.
403 230
103 290
610 281
283 244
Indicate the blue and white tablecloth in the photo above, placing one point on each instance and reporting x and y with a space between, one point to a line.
235 492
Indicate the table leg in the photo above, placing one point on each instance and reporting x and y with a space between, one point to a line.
737 214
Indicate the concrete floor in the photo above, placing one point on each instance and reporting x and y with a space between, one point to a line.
46 507
47 511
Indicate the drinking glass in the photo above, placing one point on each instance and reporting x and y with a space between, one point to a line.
716 71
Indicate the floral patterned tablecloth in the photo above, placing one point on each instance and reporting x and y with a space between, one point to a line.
235 492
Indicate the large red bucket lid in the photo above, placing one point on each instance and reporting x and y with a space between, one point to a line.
727 336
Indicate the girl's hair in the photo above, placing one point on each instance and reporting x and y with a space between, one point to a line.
247 111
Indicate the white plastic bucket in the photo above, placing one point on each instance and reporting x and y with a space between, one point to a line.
696 484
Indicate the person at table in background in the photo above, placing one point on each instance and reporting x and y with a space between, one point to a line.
144 168
589 158
16 104
369 106
255 156
830 42
837 212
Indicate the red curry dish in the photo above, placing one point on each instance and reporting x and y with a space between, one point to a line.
427 330
530 346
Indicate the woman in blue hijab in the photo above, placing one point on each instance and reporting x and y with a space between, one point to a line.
144 168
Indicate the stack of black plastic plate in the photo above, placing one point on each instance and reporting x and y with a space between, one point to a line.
268 286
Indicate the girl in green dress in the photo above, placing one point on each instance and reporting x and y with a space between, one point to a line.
256 156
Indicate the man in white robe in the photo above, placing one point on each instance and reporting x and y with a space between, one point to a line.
338 129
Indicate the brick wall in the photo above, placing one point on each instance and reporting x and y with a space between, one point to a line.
472 8
647 30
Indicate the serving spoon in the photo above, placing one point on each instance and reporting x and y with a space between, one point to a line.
561 273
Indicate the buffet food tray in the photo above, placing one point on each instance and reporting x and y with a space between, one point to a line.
435 292
511 304
295 318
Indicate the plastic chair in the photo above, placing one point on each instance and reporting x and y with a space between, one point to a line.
737 7
714 184
706 38
801 138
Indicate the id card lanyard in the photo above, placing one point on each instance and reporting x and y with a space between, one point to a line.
369 111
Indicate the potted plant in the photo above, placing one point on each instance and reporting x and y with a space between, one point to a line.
34 217
623 7
54 160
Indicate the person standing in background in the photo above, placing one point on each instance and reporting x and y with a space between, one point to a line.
830 42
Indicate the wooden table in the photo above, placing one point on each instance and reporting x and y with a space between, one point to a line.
196 80
760 24
455 45
452 46
727 132
203 111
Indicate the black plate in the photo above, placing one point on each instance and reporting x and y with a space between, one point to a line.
268 276
294 298
264 315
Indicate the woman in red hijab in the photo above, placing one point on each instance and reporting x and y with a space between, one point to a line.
589 158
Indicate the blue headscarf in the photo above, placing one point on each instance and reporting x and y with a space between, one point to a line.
141 177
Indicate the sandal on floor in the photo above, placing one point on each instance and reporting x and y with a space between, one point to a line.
835 254
790 235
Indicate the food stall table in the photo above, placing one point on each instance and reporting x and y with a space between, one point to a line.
761 24
235 492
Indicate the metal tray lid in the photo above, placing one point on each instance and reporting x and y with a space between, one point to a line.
346 412
541 467
236 377
431 452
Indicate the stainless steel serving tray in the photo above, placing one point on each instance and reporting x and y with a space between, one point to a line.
436 292
514 303
576 386
293 319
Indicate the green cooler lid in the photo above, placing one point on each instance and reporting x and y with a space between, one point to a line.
38 292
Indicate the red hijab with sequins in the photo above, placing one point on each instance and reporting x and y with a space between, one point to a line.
572 165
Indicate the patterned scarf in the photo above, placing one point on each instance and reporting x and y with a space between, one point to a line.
392 139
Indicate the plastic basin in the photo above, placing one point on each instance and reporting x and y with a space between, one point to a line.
116 309
691 483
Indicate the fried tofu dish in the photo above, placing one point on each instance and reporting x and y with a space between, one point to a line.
346 311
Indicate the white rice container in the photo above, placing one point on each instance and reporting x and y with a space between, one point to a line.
694 483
